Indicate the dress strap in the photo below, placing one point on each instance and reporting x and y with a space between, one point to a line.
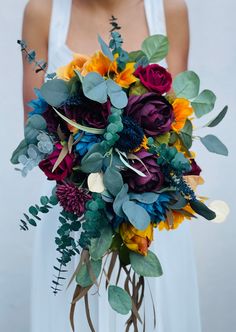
60 21
155 13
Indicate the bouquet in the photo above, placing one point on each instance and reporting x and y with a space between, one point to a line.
114 132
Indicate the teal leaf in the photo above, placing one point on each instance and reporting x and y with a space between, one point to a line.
119 300
213 144
201 209
155 47
136 215
146 266
113 180
204 103
19 151
83 277
146 198
94 87
186 85
218 118
117 96
105 48
180 163
186 134
100 245
92 164
55 92
121 197
36 121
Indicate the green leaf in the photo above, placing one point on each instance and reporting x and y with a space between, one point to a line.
55 92
92 164
146 266
136 56
136 215
20 150
213 144
117 96
204 103
83 278
155 47
105 48
119 200
94 87
113 180
36 121
33 211
186 134
99 246
119 300
146 198
201 209
186 85
162 139
218 118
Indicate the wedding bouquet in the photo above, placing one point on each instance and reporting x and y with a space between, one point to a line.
115 134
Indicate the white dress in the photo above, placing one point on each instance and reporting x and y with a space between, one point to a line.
175 293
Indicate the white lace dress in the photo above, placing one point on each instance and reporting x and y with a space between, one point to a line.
175 293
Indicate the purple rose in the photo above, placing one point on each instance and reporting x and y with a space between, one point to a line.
195 169
155 78
152 112
154 178
63 170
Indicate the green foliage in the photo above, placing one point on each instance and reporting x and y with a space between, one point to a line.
136 55
218 118
146 266
186 85
186 134
113 180
162 139
92 164
119 300
201 209
204 103
105 48
137 89
136 215
94 87
19 151
99 246
117 96
155 47
213 144
55 92
121 198
84 277
146 198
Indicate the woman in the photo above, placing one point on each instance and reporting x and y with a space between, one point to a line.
55 28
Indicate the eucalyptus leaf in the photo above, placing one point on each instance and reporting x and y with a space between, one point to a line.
94 87
55 92
146 198
36 121
113 180
136 215
186 85
201 209
146 266
117 96
105 48
218 118
213 144
119 300
186 134
99 246
92 164
136 55
121 197
19 151
83 277
155 47
204 103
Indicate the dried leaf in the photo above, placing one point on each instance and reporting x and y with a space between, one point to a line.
95 182
61 157
193 181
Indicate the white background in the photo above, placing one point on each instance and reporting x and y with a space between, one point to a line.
213 57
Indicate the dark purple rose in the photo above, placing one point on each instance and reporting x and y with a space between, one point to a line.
152 112
72 198
195 169
63 170
155 78
154 178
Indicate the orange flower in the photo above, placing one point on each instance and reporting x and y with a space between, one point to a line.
98 63
178 219
126 77
136 240
67 72
182 110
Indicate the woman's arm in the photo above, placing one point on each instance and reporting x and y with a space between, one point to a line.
35 33
177 25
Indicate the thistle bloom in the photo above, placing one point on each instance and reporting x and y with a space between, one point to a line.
136 240
182 110
72 198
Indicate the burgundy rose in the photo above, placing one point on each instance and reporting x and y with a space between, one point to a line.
152 112
195 169
72 198
154 178
155 78
63 170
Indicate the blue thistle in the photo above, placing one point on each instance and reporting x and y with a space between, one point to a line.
39 105
157 210
86 142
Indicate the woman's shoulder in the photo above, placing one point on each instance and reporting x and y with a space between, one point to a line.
38 13
175 7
